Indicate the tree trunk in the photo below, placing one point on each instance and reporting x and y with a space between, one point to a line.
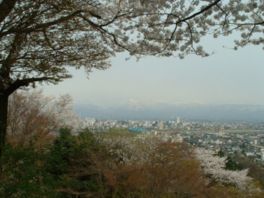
3 120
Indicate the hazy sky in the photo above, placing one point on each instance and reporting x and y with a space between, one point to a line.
226 77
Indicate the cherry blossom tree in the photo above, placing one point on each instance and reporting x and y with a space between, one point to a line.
214 167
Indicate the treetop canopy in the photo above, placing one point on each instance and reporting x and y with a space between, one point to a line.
41 39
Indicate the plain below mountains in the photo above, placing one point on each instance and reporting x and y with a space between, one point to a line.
251 113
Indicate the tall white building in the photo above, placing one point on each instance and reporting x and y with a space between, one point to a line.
178 121
262 154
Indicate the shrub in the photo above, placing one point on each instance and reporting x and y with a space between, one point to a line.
73 163
23 174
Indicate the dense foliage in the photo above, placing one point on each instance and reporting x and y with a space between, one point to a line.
108 164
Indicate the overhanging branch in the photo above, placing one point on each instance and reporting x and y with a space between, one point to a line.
25 82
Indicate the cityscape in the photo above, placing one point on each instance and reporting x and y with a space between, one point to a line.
234 138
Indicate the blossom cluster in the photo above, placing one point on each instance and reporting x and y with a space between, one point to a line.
214 167
129 149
